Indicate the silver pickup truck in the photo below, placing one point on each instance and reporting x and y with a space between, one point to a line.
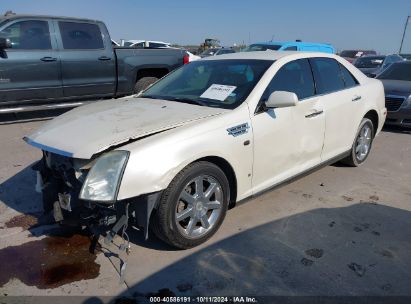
48 61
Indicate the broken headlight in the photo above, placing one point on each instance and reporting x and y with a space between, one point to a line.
103 180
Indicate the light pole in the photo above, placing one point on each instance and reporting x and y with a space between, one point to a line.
403 35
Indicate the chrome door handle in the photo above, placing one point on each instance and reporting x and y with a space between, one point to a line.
315 113
356 98
103 58
47 59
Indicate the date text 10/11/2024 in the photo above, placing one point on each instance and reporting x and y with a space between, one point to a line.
203 299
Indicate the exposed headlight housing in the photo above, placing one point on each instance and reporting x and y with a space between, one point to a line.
103 179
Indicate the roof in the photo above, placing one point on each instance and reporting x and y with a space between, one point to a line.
23 16
357 50
374 56
269 55
291 42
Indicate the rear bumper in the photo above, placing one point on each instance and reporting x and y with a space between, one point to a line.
402 118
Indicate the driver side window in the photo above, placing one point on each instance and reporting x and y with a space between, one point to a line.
295 77
28 35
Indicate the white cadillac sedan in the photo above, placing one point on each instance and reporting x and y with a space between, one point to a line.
212 133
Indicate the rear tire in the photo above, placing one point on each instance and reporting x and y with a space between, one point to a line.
193 206
362 144
144 83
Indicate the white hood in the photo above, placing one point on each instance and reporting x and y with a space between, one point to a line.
90 129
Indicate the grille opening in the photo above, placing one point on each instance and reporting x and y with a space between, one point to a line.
393 103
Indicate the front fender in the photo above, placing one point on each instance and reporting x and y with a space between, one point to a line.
155 161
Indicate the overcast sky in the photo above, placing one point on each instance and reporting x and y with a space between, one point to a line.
346 24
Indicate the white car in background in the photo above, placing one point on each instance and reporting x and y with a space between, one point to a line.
212 133
192 57
147 44
156 44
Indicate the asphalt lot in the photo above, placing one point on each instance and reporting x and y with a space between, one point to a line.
338 231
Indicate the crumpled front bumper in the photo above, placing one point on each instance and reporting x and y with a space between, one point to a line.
60 188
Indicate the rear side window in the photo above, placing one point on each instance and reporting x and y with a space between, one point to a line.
295 77
157 45
290 48
327 74
77 35
221 52
28 35
139 45
348 78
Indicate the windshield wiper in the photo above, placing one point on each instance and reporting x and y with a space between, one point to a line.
172 98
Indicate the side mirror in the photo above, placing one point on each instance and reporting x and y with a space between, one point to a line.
5 43
281 99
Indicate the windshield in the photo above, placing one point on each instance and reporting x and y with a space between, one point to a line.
261 47
212 83
397 71
369 62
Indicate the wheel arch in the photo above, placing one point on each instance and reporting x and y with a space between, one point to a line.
228 170
157 72
373 116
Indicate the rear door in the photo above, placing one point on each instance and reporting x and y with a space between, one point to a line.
87 59
341 101
30 70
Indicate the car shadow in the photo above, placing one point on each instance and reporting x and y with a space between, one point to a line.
396 129
18 192
138 238
359 250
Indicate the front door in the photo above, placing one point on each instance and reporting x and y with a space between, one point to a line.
287 140
30 69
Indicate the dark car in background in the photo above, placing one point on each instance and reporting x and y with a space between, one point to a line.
351 55
373 65
406 56
397 85
216 51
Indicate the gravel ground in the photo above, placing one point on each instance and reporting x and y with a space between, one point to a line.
338 231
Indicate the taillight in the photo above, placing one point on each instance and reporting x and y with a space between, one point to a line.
186 59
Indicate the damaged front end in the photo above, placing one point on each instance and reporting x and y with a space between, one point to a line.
83 192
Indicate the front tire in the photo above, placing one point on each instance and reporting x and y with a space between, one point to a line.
193 206
362 144
143 83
